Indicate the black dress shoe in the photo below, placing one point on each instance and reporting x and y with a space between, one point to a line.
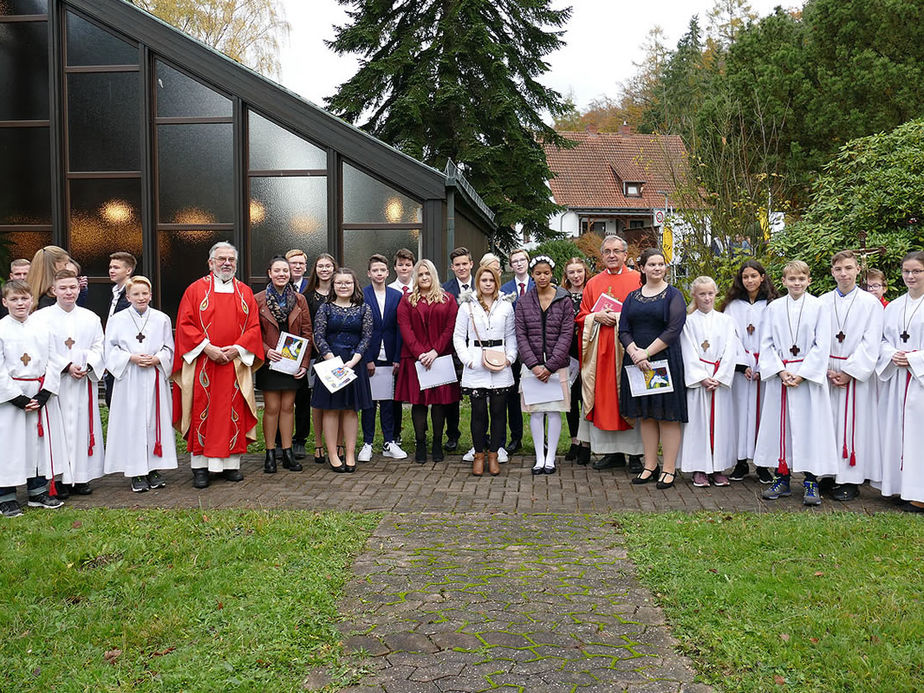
82 489
288 460
452 444
611 461
537 471
349 468
663 483
845 492
437 453
200 478
583 456
269 462
420 451
635 464
320 459
647 476
298 449
548 470
514 445
233 475
572 453
62 491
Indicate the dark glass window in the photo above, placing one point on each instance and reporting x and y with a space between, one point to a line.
195 173
184 257
367 200
359 245
105 217
23 70
287 213
88 44
181 96
26 243
10 7
25 169
273 148
103 121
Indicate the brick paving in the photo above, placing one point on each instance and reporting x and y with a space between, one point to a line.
405 487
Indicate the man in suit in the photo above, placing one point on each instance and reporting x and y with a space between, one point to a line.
519 285
404 267
460 260
121 266
384 352
19 269
298 265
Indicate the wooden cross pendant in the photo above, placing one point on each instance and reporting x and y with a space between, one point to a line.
25 358
751 328
139 337
69 342
905 336
840 336
794 350
705 345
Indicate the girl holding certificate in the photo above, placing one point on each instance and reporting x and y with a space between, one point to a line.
545 329
316 293
485 322
426 318
649 329
282 309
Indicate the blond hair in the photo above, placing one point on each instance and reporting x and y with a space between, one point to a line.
497 284
41 275
435 294
702 280
796 267
140 279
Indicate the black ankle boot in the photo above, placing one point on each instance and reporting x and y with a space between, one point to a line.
269 464
437 452
288 460
420 451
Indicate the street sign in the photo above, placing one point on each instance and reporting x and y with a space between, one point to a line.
658 217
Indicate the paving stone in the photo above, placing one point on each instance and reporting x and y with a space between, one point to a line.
409 642
367 643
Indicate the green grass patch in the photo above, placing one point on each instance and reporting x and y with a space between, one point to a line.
197 600
789 601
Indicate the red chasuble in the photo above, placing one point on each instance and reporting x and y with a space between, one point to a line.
213 404
605 412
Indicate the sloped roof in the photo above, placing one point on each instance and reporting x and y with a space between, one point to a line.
591 175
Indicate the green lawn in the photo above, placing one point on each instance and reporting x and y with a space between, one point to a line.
790 601
115 600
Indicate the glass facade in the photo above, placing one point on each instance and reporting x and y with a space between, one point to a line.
160 147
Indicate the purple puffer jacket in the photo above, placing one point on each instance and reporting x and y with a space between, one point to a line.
555 340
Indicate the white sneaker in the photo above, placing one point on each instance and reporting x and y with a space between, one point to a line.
469 456
394 451
502 455
366 453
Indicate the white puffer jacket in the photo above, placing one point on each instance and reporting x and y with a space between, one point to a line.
496 324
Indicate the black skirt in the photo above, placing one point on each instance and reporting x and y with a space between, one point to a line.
274 381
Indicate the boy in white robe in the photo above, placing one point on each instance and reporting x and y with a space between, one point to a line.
77 349
796 431
710 349
33 439
901 390
856 335
139 355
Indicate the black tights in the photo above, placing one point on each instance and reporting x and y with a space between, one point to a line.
480 422
573 416
437 418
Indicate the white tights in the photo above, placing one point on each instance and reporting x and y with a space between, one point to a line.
545 448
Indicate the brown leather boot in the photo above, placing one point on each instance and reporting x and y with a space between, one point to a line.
493 465
478 464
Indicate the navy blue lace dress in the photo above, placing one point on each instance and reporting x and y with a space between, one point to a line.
343 332
644 319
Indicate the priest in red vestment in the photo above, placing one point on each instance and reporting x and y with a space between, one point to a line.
219 347
601 359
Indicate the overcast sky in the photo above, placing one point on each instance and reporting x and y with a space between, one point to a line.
603 39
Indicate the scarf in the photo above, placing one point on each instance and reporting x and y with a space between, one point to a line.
280 304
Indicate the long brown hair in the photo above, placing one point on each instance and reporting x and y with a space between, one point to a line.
565 282
497 285
41 275
313 277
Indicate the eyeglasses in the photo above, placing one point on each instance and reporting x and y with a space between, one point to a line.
348 283
912 272
874 286
610 251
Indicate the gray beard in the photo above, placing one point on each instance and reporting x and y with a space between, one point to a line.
225 276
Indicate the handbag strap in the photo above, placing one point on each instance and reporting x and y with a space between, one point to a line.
471 311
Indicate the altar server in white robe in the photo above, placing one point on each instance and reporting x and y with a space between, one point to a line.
139 355
856 336
33 439
796 430
745 303
901 390
77 343
710 349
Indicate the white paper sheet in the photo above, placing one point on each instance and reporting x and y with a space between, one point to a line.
291 347
537 392
333 374
382 383
657 381
574 370
441 372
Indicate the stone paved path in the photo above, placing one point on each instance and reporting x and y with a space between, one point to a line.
402 486
528 602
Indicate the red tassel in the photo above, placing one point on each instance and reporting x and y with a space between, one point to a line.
853 459
90 416
92 443
844 453
158 450
783 469
52 490
41 429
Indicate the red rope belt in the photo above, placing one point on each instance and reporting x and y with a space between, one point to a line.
158 449
904 402
41 431
783 468
756 356
92 437
850 407
715 369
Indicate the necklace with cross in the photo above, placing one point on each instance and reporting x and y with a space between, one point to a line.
25 358
69 342
705 345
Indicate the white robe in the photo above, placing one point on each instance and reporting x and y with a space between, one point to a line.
901 400
807 443
858 316
77 337
133 416
748 394
709 444
25 453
